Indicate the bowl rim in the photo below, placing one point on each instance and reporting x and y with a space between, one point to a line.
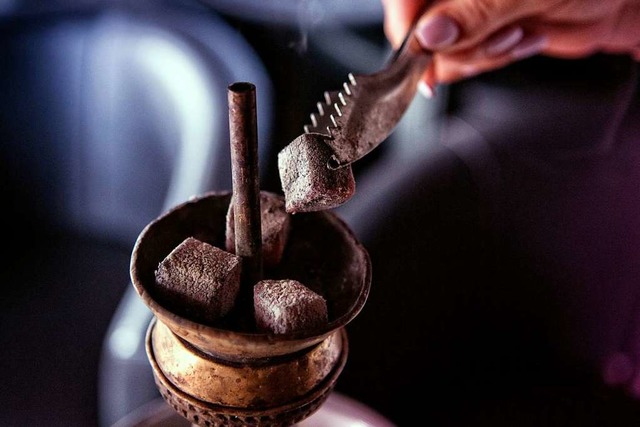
311 336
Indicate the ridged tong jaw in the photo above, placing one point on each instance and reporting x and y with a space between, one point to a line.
363 114
324 120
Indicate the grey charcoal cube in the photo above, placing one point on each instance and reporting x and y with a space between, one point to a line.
275 224
202 279
287 306
307 181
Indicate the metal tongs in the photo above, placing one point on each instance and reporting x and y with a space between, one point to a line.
357 119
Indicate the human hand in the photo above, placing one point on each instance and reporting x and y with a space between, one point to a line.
473 36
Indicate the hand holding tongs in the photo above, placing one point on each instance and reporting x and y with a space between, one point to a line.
362 115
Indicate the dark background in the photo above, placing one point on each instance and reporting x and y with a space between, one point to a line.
501 216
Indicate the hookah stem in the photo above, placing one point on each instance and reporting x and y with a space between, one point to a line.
243 131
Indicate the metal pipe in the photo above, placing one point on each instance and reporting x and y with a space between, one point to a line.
243 132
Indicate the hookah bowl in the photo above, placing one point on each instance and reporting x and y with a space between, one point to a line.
221 375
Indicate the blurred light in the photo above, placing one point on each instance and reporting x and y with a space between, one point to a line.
123 342
7 6
287 12
184 77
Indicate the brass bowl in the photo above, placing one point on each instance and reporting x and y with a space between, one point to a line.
241 377
211 392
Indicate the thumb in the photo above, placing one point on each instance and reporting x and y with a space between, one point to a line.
398 17
459 24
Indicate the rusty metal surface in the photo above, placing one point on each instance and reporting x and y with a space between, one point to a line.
243 130
318 237
363 114
201 414
217 375
259 384
228 374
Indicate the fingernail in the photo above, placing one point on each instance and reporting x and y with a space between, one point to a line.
425 90
529 46
436 32
504 41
